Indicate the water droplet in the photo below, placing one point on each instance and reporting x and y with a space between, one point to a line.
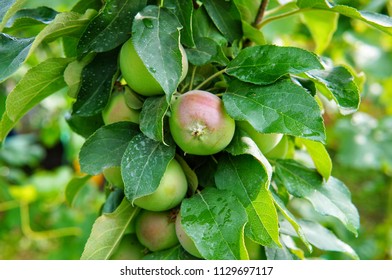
152 69
148 23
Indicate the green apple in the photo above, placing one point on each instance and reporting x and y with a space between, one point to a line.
136 74
117 110
156 230
265 142
200 124
185 241
113 176
170 192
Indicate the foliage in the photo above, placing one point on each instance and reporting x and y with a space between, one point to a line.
290 67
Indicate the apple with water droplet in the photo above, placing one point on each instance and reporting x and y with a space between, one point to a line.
170 192
156 230
200 124
136 74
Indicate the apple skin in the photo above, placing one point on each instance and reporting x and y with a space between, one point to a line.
113 176
156 230
280 151
170 192
200 124
185 241
117 110
129 249
265 142
136 74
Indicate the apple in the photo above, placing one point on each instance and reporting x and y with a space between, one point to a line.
279 151
113 176
184 239
265 142
129 249
136 74
200 124
170 192
156 230
117 110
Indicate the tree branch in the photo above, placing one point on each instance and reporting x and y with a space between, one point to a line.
260 13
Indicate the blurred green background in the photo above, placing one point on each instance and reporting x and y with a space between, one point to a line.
39 158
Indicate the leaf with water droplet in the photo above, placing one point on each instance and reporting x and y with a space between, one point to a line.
103 32
155 35
96 84
282 107
105 148
143 165
215 220
338 83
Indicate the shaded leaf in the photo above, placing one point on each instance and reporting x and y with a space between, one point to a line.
152 117
282 107
206 51
215 220
226 17
183 9
107 232
13 52
7 9
96 84
174 253
266 64
105 148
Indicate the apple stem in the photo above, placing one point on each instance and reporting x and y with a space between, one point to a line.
210 78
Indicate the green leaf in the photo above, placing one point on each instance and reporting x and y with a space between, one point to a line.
226 17
155 35
105 148
291 219
174 253
265 64
204 27
7 9
327 197
246 178
13 52
253 34
380 21
340 85
74 186
83 5
84 126
107 232
65 24
29 22
248 9
183 9
321 237
96 84
320 157
152 117
111 27
143 165
38 83
215 220
206 51
242 144
322 25
282 107
73 74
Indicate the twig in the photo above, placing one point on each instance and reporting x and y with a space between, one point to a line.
260 13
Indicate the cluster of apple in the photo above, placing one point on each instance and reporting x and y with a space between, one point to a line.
198 124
